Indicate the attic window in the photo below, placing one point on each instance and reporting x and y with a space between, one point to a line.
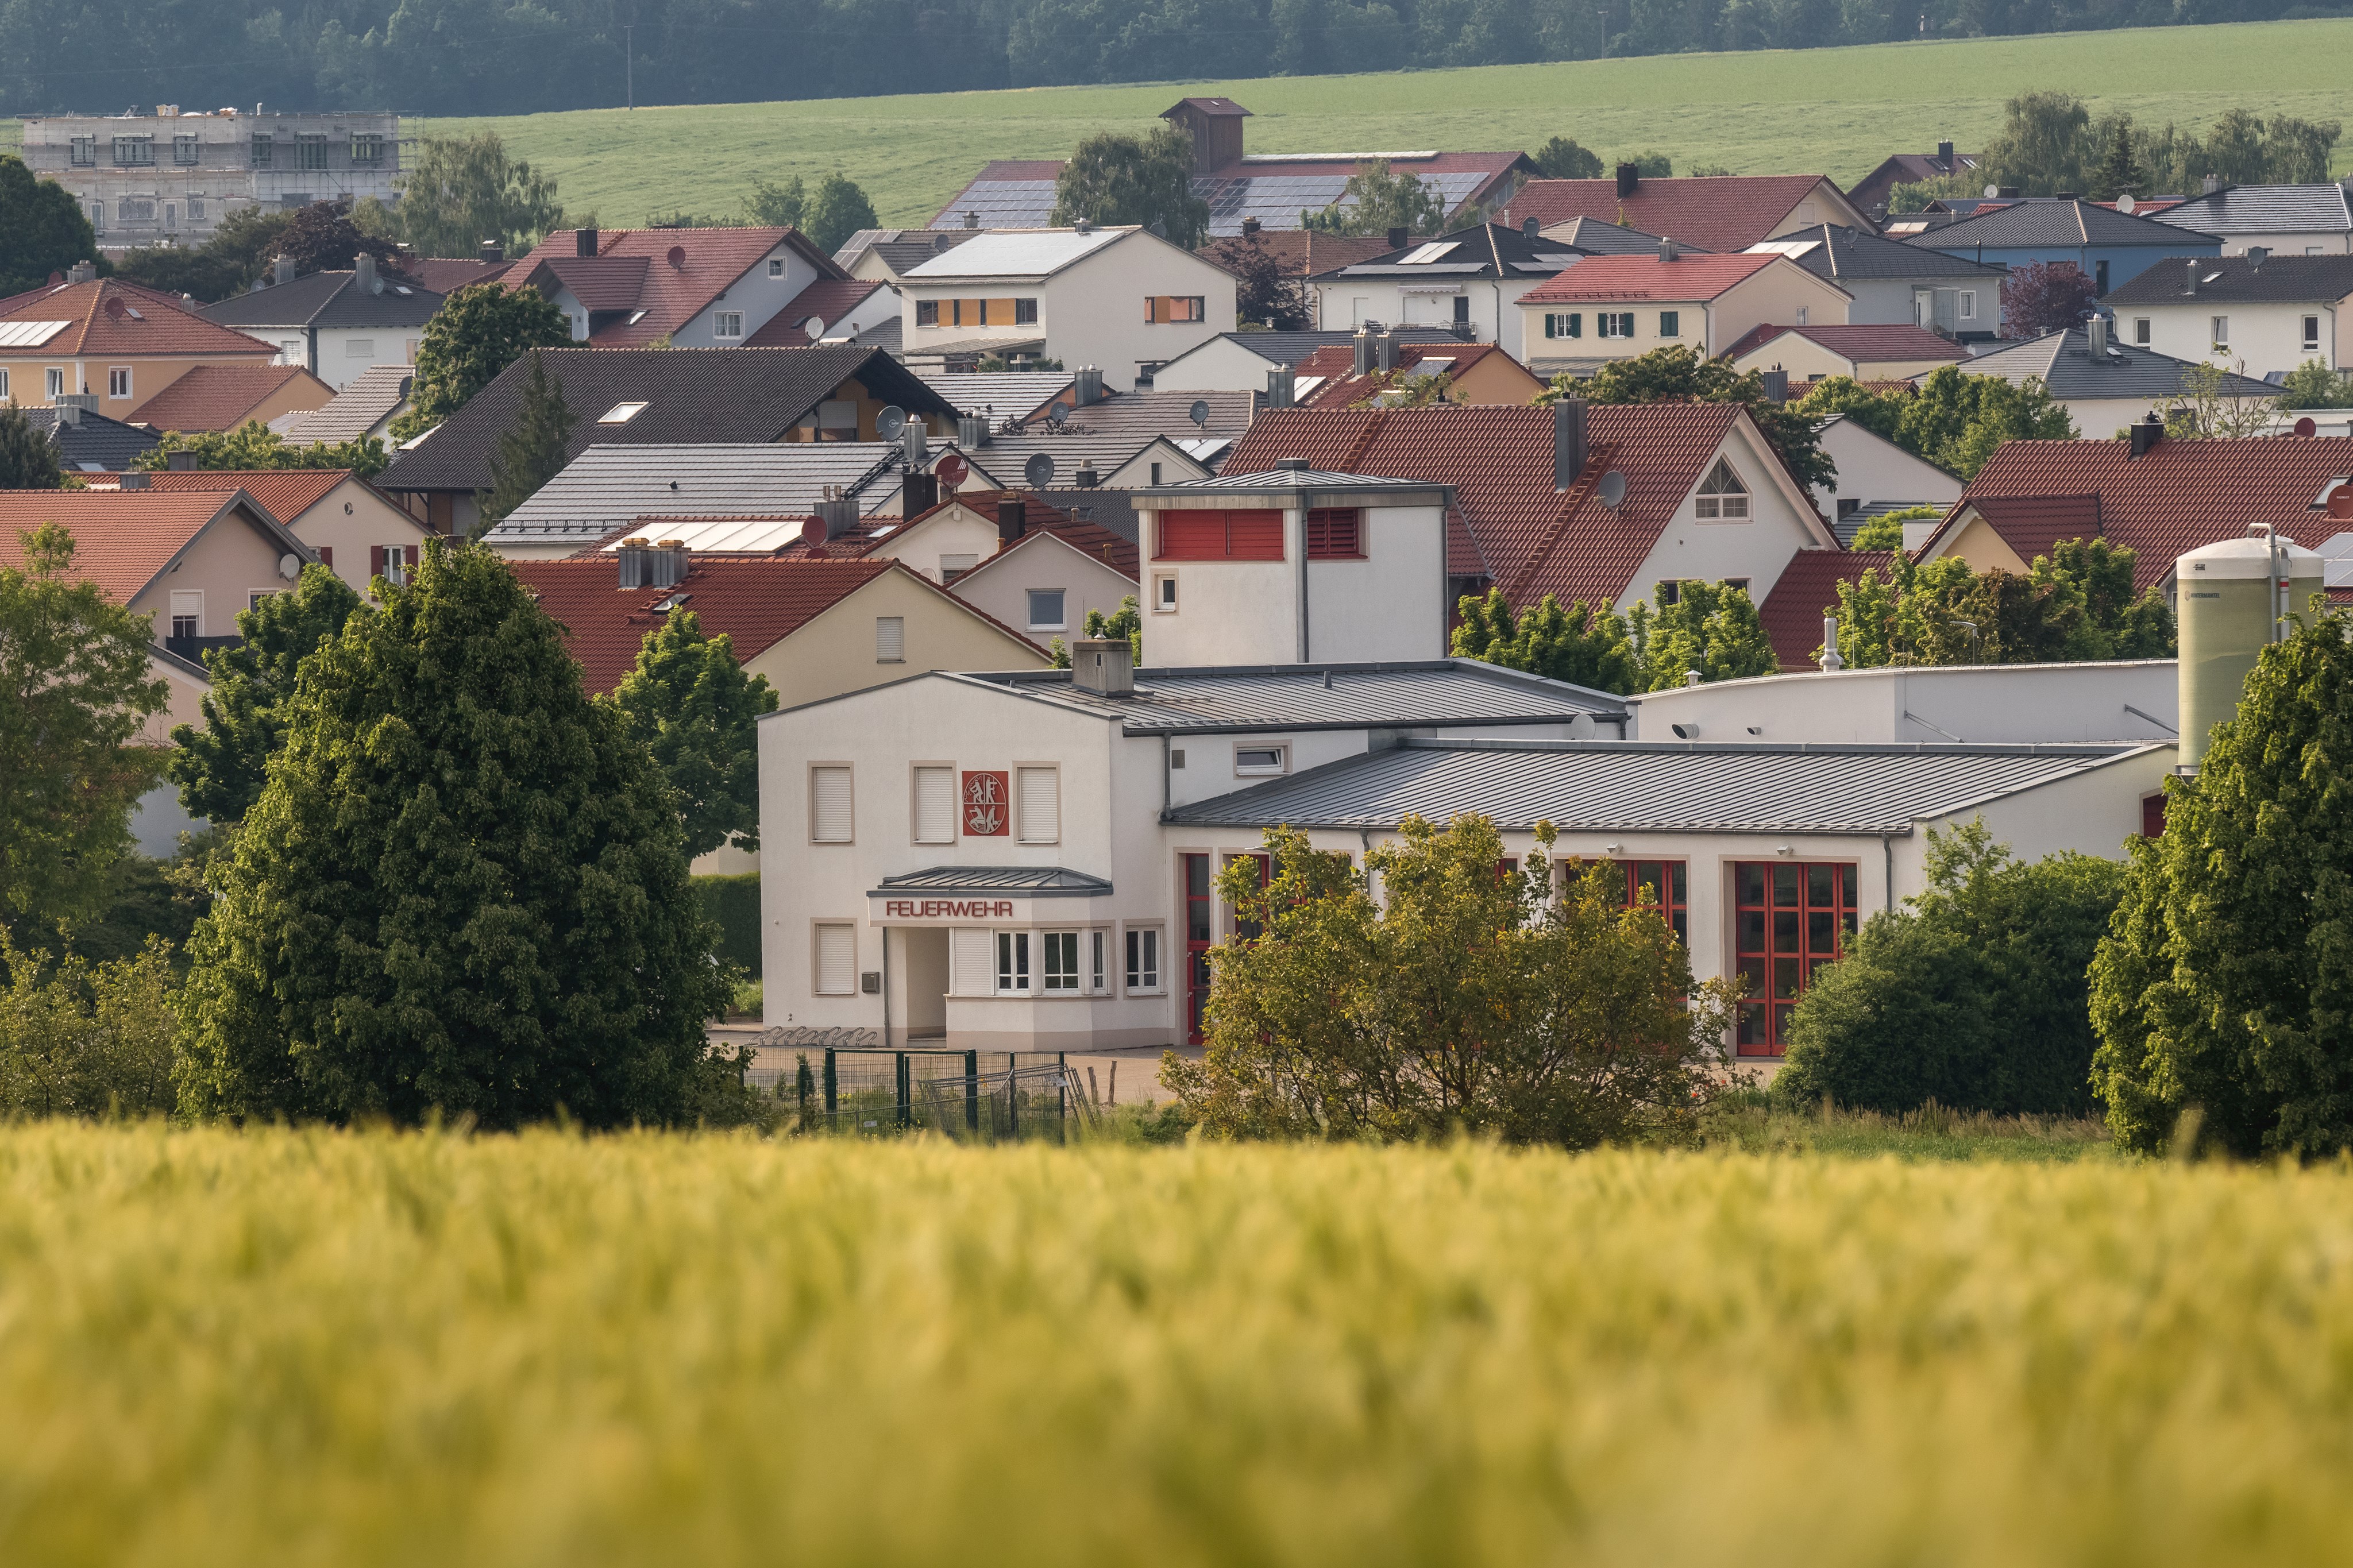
621 412
635 317
1722 496
1424 254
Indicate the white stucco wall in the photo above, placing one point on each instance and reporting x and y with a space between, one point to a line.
2265 337
1758 549
1981 704
1872 467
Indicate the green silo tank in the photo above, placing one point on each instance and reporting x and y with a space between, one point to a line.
2228 601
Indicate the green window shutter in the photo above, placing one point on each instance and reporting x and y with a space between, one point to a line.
1577 324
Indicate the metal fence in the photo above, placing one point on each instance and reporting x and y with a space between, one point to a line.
983 1097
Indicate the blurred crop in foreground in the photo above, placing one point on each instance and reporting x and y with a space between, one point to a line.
359 1349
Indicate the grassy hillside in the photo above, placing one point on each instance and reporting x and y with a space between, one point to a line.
1835 111
305 1347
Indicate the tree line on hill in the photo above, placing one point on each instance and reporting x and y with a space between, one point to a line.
446 57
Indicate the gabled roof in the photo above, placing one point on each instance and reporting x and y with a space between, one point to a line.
1018 254
1599 237
285 493
1002 394
1806 590
1146 413
1720 212
1230 699
610 488
1008 453
1111 510
632 272
1342 387
2035 223
899 249
1600 280
1218 107
714 396
93 444
1299 252
1116 551
2031 524
328 299
118 320
1290 348
368 400
2239 280
1844 255
1534 539
2266 209
223 396
1864 345
124 540
445 275
1908 169
1487 251
829 300
2179 496
2063 361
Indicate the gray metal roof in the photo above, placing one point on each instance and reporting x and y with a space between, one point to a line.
2239 280
1253 698
1642 786
1015 253
2063 362
1007 456
1599 237
1017 881
2266 209
606 488
1481 250
2045 223
1843 255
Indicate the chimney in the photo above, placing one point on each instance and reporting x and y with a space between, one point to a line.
835 515
584 242
914 444
2096 337
1086 386
133 480
631 556
1528 228
1384 349
1629 179
972 217
971 431
1104 666
1667 251
1777 385
491 252
1012 520
1571 449
1282 387
1249 227
363 274
1832 662
2145 433
2195 264
1083 226
1398 237
180 462
82 272
918 494
2214 184
1086 477
281 270
2064 196
1362 345
1945 156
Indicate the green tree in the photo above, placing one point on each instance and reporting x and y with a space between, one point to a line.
42 228
86 1039
1710 628
464 889
1462 999
1263 293
75 689
2312 385
779 207
221 768
1885 531
2120 173
238 252
1973 996
27 460
697 711
1116 178
1581 644
2219 403
1651 166
1956 420
1915 196
2226 981
478 331
1679 374
2044 146
1375 201
2075 604
254 445
2298 152
837 209
531 451
1127 622
2234 148
1563 159
458 192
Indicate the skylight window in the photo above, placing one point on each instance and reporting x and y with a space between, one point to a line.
621 412
1424 254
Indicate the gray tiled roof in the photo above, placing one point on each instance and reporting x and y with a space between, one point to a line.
1113 509
608 488
1838 253
1008 456
2042 222
1599 237
1583 785
1022 881
1000 395
327 299
2236 281
899 249
1290 348
95 444
1481 251
2266 209
1296 697
2063 362
367 400
1147 414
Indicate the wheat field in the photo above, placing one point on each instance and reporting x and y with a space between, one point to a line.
309 1347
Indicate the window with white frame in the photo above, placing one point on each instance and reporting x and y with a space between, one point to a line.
253 597
290 350
1260 758
1163 595
830 821
1805 316
2221 333
1013 961
1968 304
936 806
1143 958
619 414
726 323
118 380
775 267
1046 610
2312 331
1098 979
57 381
955 566
1616 323
836 960
1564 324
1060 971
1039 794
889 640
1722 497
187 612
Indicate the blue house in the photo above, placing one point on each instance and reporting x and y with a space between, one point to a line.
2111 247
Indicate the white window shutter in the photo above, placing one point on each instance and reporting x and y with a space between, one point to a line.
936 806
830 816
1042 806
889 640
837 960
974 962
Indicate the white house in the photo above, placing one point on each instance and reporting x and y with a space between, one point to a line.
2282 220
2270 312
1874 473
336 325
1120 298
1621 306
1470 282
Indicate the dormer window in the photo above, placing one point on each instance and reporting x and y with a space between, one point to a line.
620 413
1722 497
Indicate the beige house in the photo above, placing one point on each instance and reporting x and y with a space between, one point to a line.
114 345
1864 352
351 527
1608 308
1045 578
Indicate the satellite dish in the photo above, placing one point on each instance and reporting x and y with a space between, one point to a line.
677 257
290 567
1039 471
813 531
814 328
1992 191
1613 490
891 422
114 307
952 470
1199 413
2304 426
2125 203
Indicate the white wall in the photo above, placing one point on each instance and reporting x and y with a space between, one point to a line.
1870 469
1758 549
1495 315
1979 703
2266 337
1220 364
1000 586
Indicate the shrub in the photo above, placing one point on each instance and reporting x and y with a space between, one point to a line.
86 1039
733 904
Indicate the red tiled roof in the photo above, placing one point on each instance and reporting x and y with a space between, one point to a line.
757 600
2032 524
712 259
1118 552
827 299
1601 279
1300 251
285 493
1716 212
1862 345
118 320
122 538
1533 539
222 396
1806 590
2176 497
1339 362
445 275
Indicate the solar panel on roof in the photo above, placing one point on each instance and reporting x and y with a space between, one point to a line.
30 334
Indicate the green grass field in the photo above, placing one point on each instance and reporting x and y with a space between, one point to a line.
363 1349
